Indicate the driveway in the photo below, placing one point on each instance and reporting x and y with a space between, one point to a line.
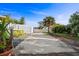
42 44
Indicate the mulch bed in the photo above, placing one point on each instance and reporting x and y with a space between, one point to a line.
7 52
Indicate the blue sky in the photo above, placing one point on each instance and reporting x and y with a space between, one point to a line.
35 12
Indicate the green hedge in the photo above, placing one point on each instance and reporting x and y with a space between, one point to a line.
57 28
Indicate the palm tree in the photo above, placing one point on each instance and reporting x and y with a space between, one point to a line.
48 21
40 24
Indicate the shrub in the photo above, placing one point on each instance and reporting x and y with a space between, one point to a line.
17 33
68 29
57 28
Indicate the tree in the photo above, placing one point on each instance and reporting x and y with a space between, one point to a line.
41 24
21 20
15 21
74 23
48 21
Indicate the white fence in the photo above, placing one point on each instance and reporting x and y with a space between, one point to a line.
26 28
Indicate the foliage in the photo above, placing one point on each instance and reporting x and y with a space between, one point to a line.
15 21
2 47
18 33
41 24
48 21
74 23
57 28
68 29
62 35
21 20
4 33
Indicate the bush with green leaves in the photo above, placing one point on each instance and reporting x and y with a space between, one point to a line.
57 28
68 29
74 23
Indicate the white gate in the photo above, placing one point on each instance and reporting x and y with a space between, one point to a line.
27 28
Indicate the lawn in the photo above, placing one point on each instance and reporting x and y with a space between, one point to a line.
67 36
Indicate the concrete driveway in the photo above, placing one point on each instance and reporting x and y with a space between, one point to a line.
40 43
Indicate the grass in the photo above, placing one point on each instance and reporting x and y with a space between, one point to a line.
67 36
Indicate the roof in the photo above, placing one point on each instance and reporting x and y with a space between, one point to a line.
2 16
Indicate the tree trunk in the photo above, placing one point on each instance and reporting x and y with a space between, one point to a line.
48 30
11 36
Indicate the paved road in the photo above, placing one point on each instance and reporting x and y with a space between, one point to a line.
40 43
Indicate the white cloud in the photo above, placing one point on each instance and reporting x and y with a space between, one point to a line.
7 9
39 13
30 22
64 17
10 12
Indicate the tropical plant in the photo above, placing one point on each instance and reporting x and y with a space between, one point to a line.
48 21
4 33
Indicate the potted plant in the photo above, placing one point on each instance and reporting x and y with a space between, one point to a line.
5 37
